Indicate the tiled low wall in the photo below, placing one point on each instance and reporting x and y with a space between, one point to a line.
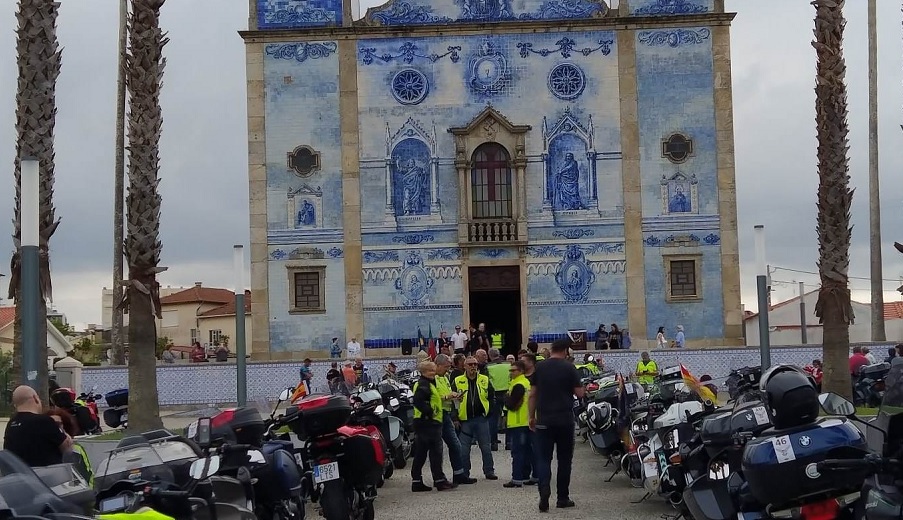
212 383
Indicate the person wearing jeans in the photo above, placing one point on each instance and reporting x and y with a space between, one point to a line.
428 416
474 389
449 430
550 412
518 431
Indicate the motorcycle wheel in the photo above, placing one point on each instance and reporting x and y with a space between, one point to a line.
399 460
333 502
369 513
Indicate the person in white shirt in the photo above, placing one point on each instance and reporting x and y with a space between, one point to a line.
869 355
459 339
353 349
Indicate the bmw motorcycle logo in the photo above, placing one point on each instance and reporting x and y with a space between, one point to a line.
805 440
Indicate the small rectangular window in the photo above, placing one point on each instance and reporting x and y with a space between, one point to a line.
215 336
307 289
194 335
683 279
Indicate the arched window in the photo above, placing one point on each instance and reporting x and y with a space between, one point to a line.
491 182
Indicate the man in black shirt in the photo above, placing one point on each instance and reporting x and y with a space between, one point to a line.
551 415
33 437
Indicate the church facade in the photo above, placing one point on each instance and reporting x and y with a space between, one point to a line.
537 165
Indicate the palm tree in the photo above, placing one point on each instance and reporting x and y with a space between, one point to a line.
39 59
144 74
833 308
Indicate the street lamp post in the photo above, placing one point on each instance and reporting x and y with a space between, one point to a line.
762 287
30 290
241 364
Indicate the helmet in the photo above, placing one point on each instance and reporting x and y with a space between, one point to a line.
790 396
599 416
63 398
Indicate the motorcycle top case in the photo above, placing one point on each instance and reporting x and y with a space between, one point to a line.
716 429
870 371
780 466
238 426
117 397
321 415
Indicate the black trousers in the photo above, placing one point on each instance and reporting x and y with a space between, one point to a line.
549 439
428 443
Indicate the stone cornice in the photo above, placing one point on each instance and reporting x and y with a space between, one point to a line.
356 32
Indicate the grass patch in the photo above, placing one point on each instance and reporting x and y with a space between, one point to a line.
111 436
865 410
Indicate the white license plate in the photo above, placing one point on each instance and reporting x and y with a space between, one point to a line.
326 472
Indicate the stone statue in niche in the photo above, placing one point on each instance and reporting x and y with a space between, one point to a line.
307 215
679 202
411 159
567 181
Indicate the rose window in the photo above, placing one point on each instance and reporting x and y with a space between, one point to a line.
409 86
566 81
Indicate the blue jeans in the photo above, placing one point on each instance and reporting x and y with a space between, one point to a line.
477 428
450 436
520 453
532 461
548 439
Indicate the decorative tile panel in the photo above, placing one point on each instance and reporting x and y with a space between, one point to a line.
286 14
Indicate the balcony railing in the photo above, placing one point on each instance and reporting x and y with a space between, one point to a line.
482 231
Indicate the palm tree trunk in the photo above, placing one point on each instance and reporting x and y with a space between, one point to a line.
118 347
833 307
144 64
39 60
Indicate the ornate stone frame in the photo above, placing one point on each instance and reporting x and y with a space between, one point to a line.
295 268
411 129
568 124
694 192
294 195
697 265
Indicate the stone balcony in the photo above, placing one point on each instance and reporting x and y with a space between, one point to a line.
486 231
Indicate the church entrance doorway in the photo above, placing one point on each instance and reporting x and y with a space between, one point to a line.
495 300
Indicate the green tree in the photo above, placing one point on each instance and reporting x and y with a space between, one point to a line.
64 328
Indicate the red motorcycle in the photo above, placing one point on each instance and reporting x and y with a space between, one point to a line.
85 416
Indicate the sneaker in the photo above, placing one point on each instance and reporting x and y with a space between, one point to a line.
531 482
492 476
512 484
419 487
461 479
565 503
444 485
543 504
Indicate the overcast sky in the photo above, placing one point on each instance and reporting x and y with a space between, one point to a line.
204 146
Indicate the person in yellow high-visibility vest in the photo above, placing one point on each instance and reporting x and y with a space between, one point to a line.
646 370
428 415
497 370
518 426
473 413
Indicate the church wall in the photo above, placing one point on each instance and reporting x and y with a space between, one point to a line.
670 7
680 198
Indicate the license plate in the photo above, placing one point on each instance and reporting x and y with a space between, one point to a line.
326 472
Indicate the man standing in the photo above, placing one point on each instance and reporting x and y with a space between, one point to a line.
33 437
551 416
482 361
449 431
305 374
335 350
517 426
459 340
474 416
646 370
353 349
679 338
857 361
428 417
499 375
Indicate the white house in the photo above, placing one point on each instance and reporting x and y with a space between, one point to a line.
785 324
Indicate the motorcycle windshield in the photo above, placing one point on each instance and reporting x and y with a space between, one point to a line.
139 461
892 403
369 396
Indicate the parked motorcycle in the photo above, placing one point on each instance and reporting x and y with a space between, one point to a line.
370 411
117 413
85 419
868 389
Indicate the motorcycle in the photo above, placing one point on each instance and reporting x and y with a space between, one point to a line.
89 400
370 411
117 413
869 387
86 421
51 490
398 400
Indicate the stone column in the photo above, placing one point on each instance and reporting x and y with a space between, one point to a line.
727 195
461 166
630 173
257 175
351 185
434 185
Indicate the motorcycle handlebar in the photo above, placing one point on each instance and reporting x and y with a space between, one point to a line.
873 463
160 493
232 448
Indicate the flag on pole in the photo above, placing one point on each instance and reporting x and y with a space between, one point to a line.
300 391
420 341
431 350
701 390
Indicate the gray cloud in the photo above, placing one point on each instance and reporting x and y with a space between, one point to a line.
204 146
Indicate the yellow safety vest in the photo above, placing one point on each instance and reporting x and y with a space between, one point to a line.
593 369
463 385
496 340
518 418
435 402
640 366
499 376
444 388
539 358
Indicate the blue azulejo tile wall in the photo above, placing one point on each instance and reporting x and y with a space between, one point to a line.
423 12
288 14
670 7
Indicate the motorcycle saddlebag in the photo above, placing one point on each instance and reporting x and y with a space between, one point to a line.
321 414
365 455
716 430
605 442
117 397
238 425
751 417
708 499
780 466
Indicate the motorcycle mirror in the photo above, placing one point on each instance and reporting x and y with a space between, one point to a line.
204 468
590 358
285 394
836 405
734 483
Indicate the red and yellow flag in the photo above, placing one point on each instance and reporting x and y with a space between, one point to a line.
300 391
694 384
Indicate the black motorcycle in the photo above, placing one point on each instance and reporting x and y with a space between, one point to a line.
868 389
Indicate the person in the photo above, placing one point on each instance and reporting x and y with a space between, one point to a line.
445 349
349 375
361 374
868 355
518 426
660 340
442 342
857 361
898 359
459 340
497 340
31 435
304 372
168 356
482 360
891 354
335 350
498 372
510 359
222 353
529 360
390 371
567 182
533 347
545 353
601 338
198 355
353 350
457 366
614 337
473 414
679 337
646 370
428 418
626 341
334 378
450 421
477 340
815 370
78 457
551 416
